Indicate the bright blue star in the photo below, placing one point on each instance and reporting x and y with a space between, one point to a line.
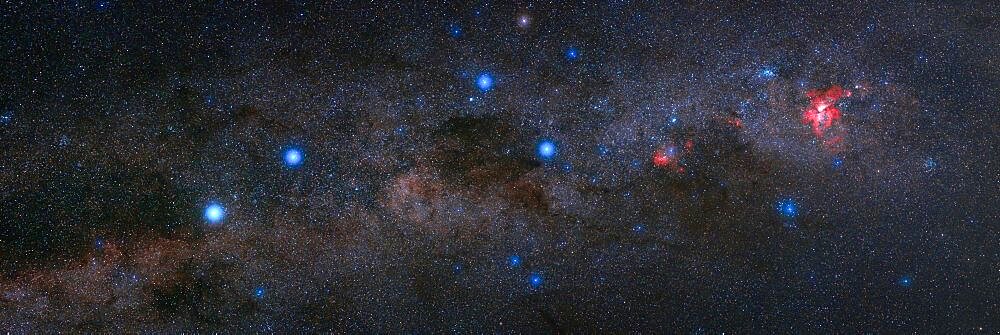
673 119
638 228
572 54
484 81
454 30
546 149
514 261
535 280
837 163
6 117
259 292
293 157
788 208
905 281
457 268
214 213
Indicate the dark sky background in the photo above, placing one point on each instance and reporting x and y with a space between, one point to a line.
534 167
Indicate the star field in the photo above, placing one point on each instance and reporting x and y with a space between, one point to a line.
500 167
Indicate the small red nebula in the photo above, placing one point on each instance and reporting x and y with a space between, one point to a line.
735 122
822 112
663 157
688 145
667 157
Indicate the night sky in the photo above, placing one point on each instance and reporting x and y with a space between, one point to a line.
497 167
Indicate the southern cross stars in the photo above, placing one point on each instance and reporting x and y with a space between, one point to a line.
546 149
514 261
572 54
214 213
292 157
259 292
484 81
535 280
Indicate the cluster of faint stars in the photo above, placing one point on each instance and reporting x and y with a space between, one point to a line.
788 208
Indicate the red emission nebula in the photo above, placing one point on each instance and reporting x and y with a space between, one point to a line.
669 157
822 112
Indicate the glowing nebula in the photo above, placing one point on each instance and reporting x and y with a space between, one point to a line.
822 112
669 157
664 157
